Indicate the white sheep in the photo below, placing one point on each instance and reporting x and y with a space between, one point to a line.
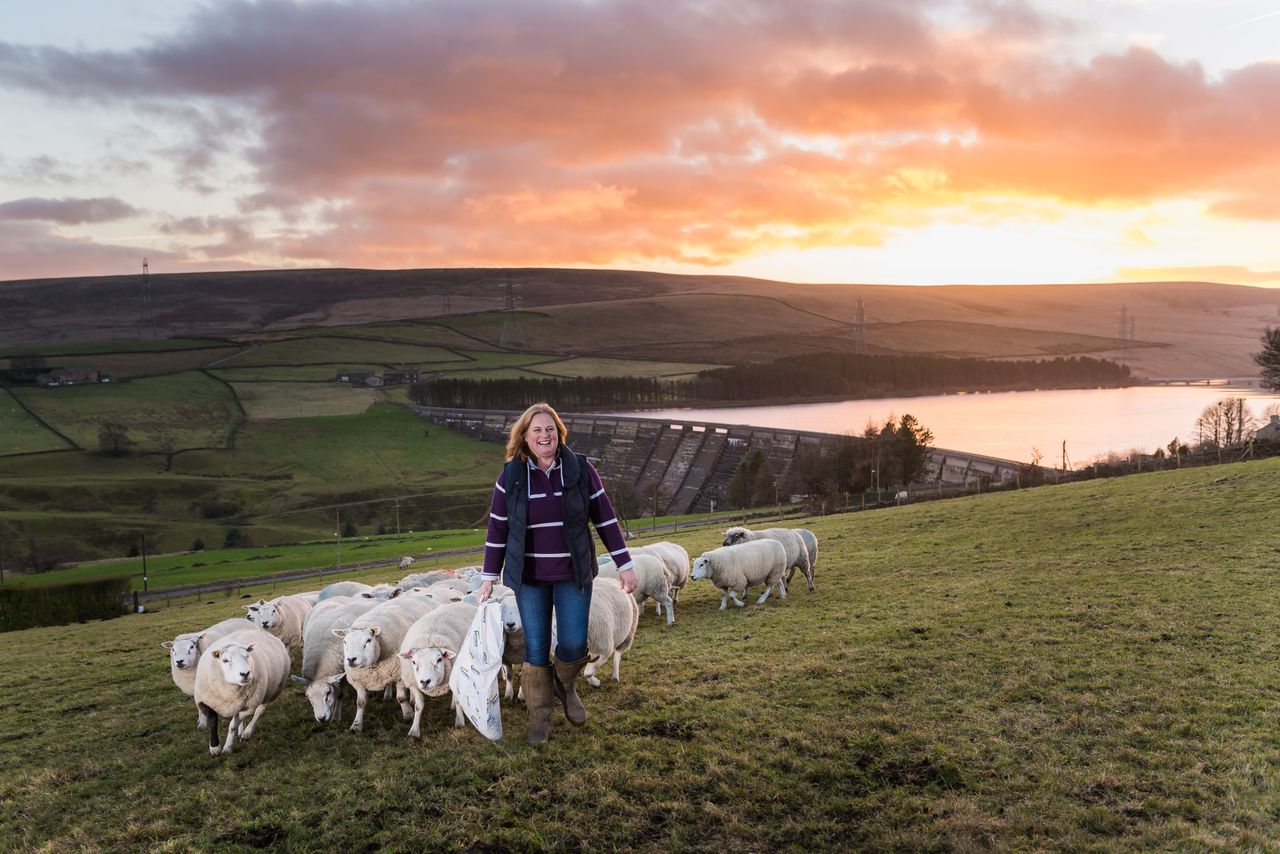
811 544
791 539
675 560
651 581
425 579
371 646
405 562
185 651
611 627
735 568
438 593
381 592
322 665
427 654
344 588
240 673
282 616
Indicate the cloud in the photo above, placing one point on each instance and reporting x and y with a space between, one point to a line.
67 211
499 131
28 250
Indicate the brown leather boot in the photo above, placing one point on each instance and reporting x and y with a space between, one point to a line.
566 687
536 683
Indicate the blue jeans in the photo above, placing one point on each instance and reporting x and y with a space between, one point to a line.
536 600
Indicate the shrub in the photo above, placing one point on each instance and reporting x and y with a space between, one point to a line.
23 607
197 545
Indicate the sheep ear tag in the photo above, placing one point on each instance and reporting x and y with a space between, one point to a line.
217 653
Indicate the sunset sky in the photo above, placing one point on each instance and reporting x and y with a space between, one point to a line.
896 142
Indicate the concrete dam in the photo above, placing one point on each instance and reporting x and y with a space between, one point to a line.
694 460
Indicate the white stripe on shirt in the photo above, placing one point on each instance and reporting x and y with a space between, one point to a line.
612 521
489 545
598 494
548 554
548 525
499 518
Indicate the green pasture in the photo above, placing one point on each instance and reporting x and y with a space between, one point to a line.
331 349
183 410
267 400
1075 667
216 564
290 373
127 365
116 347
23 434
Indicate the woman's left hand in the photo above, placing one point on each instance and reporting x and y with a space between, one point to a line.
627 578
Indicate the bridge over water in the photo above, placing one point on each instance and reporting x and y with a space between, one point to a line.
694 460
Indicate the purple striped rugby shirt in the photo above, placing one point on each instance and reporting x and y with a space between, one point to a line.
546 551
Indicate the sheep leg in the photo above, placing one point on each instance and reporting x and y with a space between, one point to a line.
782 589
791 570
200 721
735 594
419 701
211 716
402 694
232 727
388 691
617 664
459 719
590 672
768 588
724 598
245 732
671 611
362 697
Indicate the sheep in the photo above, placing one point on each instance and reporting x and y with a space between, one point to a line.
344 588
651 581
240 673
675 560
437 593
382 592
611 627
791 539
734 568
370 646
427 653
405 562
322 670
283 617
185 651
811 544
425 579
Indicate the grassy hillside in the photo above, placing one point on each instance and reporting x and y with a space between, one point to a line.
1083 666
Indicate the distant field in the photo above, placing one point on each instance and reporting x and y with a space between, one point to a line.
190 408
422 333
127 365
146 346
328 350
264 400
22 434
290 373
1071 668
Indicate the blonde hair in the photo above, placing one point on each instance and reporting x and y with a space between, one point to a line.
515 442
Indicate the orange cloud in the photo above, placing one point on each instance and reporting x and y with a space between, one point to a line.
503 132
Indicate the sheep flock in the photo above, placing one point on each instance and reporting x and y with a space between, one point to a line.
399 640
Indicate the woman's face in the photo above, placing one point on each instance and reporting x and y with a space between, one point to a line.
541 438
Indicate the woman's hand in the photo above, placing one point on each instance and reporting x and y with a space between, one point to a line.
483 591
627 578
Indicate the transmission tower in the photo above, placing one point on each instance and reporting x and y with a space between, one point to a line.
147 318
860 330
446 308
511 323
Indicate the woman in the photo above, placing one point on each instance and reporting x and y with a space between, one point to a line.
539 544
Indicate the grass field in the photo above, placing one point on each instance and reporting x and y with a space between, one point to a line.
621 368
333 350
150 346
1078 667
264 400
191 409
22 433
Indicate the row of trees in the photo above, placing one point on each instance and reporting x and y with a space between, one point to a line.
807 376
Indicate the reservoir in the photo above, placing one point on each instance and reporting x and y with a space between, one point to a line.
1093 422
